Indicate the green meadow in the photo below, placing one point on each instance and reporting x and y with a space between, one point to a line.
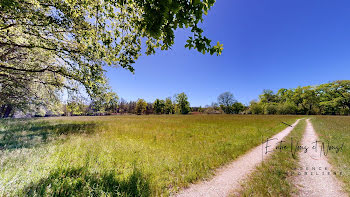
123 155
335 131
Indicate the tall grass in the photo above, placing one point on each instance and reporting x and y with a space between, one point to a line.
123 155
334 131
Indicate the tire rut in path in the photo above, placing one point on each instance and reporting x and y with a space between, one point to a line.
229 177
315 185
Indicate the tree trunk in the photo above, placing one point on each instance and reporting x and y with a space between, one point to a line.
7 111
2 110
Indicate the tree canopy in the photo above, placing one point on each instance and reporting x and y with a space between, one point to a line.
229 104
158 106
182 104
331 98
141 106
65 43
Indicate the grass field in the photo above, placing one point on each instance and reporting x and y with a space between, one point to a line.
273 177
336 131
122 155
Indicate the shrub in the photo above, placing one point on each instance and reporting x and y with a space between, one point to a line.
270 108
287 108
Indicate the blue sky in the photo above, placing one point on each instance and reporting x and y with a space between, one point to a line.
268 44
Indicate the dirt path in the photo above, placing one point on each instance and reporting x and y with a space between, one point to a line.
319 183
228 178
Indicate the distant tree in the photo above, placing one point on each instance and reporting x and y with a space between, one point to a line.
268 96
334 97
112 102
182 104
237 107
331 98
200 109
105 103
141 106
256 108
149 108
215 106
158 106
226 100
282 95
287 107
132 107
270 108
169 106
309 100
122 106
76 108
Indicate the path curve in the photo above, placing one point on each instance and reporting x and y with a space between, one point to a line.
315 185
229 177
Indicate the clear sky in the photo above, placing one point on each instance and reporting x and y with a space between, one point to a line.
268 44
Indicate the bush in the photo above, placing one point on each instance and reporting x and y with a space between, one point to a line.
237 107
256 108
287 108
270 108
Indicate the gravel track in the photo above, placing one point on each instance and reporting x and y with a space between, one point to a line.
319 183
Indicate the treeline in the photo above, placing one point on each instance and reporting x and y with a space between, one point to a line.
109 104
327 99
179 104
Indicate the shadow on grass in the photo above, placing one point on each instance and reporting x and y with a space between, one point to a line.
80 182
15 135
